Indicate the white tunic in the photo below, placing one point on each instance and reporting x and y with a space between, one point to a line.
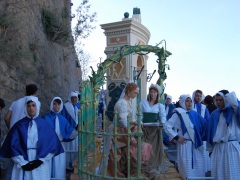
187 154
17 108
225 158
40 173
156 108
124 110
57 164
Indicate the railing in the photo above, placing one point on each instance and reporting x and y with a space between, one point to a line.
94 145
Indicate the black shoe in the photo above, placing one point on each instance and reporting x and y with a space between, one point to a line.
69 169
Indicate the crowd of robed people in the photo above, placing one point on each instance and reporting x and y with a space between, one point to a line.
204 131
40 148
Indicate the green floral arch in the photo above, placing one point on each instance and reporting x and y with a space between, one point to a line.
88 136
97 79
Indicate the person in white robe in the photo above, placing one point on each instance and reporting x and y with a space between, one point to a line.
31 143
152 132
65 133
197 105
118 150
70 112
223 137
15 113
187 127
202 109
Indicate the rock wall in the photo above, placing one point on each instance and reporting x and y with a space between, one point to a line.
31 56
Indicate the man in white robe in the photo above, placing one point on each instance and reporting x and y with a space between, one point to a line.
202 109
31 143
16 110
198 97
223 137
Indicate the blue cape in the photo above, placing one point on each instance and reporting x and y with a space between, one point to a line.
213 122
16 141
170 110
199 123
78 105
69 118
199 108
65 128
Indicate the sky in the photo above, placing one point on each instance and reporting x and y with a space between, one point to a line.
203 37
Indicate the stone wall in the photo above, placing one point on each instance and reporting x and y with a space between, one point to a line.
31 56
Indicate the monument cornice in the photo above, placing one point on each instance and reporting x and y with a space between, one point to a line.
125 27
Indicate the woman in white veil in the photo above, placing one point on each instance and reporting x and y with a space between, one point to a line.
124 110
154 116
107 143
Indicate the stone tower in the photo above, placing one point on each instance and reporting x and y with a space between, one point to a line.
129 31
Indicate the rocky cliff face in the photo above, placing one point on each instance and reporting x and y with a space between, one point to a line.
36 46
